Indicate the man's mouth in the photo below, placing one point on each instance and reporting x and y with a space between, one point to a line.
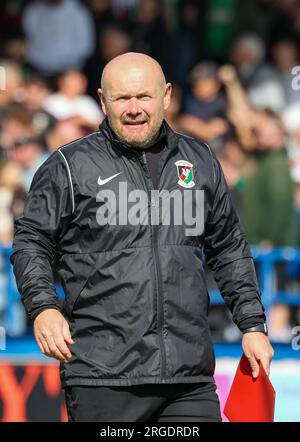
135 123
135 126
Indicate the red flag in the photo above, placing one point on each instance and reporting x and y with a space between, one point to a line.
250 399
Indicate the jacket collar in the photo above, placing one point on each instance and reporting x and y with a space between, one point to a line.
165 131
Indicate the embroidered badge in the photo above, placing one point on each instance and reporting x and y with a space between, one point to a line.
185 173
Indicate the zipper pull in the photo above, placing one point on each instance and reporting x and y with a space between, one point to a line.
153 199
144 158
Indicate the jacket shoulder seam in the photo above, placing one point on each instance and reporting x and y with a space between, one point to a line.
78 140
184 135
211 156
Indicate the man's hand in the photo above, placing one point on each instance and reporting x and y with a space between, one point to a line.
257 347
227 74
52 334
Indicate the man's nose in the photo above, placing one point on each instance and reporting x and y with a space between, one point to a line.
133 106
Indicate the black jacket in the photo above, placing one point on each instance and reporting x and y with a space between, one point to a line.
135 295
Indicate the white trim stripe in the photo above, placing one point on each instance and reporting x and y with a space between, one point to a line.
70 180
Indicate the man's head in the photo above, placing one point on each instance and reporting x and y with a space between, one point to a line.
72 83
205 81
26 151
247 50
134 96
269 130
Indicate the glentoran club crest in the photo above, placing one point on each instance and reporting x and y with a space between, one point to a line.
185 173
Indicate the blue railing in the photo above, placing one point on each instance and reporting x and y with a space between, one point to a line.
265 259
12 314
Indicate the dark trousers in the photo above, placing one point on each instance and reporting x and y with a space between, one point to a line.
190 402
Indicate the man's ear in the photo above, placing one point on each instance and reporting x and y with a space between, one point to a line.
102 100
167 97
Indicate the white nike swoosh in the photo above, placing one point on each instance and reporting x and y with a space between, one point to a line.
101 182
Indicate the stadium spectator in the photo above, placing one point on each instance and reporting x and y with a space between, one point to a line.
16 123
60 35
286 57
29 154
259 78
71 101
11 82
36 92
205 107
205 102
268 208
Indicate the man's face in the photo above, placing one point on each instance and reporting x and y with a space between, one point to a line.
269 133
206 88
134 102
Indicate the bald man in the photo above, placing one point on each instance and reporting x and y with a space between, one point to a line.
123 215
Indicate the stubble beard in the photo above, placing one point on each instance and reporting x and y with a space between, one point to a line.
140 144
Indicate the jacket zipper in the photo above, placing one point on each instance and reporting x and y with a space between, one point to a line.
159 290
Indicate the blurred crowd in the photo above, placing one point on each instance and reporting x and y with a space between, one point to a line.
235 70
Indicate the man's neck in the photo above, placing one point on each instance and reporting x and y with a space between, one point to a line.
154 140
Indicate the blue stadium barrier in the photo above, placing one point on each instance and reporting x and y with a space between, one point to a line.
12 311
266 260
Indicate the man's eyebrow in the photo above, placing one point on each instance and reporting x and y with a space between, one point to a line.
141 94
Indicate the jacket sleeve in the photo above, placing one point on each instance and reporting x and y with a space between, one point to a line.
37 232
228 255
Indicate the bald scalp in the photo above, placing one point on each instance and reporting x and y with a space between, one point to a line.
131 60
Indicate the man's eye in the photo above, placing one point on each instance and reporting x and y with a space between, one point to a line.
145 97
